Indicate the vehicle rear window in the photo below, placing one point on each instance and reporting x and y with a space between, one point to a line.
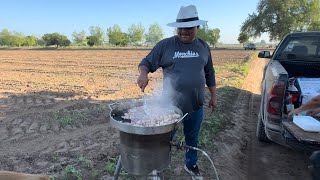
305 48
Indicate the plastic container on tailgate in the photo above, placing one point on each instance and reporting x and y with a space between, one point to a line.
307 123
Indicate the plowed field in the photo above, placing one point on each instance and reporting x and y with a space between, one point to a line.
53 108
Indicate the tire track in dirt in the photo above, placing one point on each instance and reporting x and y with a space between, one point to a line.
19 117
50 153
16 105
26 117
64 141
32 140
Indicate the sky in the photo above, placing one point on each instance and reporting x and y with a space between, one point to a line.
37 17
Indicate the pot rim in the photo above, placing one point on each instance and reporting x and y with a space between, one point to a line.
142 130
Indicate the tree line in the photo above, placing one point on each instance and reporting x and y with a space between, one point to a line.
97 36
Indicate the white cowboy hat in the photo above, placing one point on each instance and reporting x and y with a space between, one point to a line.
187 17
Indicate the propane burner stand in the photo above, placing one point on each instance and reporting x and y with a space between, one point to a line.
144 151
143 154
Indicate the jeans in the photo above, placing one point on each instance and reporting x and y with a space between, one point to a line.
191 127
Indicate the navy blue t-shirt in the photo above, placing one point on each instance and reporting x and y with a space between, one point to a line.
188 67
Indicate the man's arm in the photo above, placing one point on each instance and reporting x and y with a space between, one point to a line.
312 104
150 64
313 112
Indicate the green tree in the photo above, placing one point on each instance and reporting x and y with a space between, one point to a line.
64 41
79 38
56 39
18 39
243 37
41 42
214 37
211 36
116 36
135 33
279 18
30 41
4 37
92 41
154 34
98 33
203 33
8 38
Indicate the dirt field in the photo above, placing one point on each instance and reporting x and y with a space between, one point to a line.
53 107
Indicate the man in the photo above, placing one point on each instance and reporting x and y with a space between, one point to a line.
186 62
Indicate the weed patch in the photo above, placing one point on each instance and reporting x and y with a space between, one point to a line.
70 173
75 117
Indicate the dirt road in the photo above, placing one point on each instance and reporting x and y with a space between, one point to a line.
241 156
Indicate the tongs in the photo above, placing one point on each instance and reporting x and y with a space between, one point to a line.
145 108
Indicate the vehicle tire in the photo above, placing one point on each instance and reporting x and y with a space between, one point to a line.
261 133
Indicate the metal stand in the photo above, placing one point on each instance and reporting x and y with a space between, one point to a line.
155 175
118 169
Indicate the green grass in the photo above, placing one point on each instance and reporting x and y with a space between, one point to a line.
70 173
89 165
76 116
84 165
53 177
111 166
87 162
69 117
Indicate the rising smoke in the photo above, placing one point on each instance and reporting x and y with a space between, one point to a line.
165 95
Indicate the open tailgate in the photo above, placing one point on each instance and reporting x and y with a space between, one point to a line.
301 135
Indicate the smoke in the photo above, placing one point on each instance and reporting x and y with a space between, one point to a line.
164 94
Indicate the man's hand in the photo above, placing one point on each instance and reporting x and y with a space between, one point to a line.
293 112
142 81
143 77
212 103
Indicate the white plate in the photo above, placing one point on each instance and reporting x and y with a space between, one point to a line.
307 123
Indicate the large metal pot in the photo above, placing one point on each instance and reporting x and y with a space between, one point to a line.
142 149
118 110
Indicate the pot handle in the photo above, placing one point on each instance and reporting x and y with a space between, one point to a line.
177 123
112 104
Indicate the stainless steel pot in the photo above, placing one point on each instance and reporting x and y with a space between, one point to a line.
142 149
118 109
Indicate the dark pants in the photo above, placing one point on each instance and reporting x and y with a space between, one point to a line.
191 128
315 165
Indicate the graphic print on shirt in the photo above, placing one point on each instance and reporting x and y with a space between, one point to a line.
188 54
